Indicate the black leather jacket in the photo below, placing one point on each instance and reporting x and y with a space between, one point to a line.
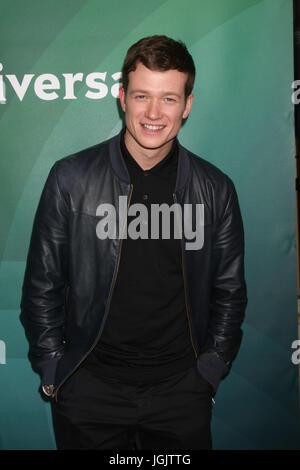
70 273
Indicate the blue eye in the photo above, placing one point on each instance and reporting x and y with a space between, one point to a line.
169 100
141 97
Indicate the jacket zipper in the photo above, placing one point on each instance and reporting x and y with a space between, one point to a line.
184 284
55 393
185 290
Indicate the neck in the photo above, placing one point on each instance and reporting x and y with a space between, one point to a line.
145 157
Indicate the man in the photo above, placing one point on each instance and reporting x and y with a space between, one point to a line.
130 323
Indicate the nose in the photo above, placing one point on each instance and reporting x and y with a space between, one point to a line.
153 110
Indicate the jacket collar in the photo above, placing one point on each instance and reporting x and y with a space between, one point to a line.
119 166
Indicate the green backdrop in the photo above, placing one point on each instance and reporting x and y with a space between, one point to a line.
242 121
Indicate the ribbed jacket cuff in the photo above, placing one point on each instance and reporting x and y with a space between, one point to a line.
48 370
212 368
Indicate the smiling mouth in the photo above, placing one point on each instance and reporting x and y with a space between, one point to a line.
152 127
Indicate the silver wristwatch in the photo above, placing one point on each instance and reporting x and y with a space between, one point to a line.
48 390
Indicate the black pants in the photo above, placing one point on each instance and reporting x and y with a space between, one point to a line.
172 414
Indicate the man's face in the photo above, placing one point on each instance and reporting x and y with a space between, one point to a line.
154 107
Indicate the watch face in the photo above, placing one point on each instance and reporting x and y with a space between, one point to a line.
48 389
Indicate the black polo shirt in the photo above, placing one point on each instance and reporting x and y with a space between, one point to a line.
146 335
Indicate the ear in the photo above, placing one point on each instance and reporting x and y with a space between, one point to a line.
122 98
188 106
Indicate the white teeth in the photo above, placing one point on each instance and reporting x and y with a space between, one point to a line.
152 128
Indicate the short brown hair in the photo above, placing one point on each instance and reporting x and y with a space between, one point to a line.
160 53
